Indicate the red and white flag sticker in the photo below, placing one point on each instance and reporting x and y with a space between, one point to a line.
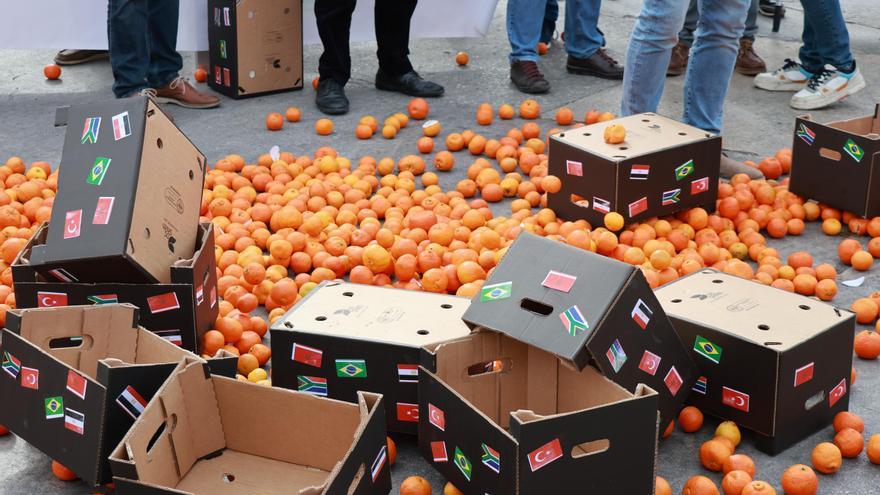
562 282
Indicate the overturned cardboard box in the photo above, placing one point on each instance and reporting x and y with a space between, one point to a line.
838 163
209 434
79 377
255 46
129 194
344 337
662 167
774 362
180 311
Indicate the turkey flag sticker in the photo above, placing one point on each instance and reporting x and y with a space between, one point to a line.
30 378
51 299
72 223
436 417
408 413
545 455
649 363
735 399
837 393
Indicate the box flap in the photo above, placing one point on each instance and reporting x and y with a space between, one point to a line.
549 295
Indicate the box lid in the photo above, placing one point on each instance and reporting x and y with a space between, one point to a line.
550 295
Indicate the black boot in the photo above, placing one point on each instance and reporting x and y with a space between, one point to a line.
410 84
331 97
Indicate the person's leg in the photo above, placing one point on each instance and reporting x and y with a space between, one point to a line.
129 49
392 35
334 23
748 62
584 41
654 35
751 21
793 75
165 62
681 52
809 55
551 15
524 20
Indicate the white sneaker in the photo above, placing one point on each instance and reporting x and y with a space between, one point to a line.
790 77
827 87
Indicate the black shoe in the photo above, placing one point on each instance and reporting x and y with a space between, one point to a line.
528 78
410 84
768 7
599 64
75 57
331 97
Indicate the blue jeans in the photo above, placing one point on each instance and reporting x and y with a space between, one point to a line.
551 15
142 35
525 21
825 36
711 59
686 35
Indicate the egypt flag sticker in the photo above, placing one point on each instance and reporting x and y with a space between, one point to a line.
76 384
171 335
163 302
121 126
601 205
837 393
131 402
673 381
803 374
438 452
436 417
641 314
545 454
74 421
408 373
639 172
379 463
307 355
51 299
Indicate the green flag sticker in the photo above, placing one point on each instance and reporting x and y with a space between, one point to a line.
707 349
54 407
496 292
853 150
463 464
351 368
685 169
98 171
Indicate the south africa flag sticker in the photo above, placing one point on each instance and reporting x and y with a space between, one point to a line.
573 321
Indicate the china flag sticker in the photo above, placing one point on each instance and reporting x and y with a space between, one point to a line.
545 455
735 399
803 374
163 302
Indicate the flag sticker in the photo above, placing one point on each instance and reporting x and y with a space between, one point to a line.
683 170
226 21
639 172
407 413
200 294
63 275
103 299
701 385
463 464
853 150
171 335
735 399
408 373
227 77
670 197
313 385
131 402
90 130
806 134
545 454
803 374
72 223
573 321
217 16
103 210
307 355
616 356
74 421
121 126
163 302
707 349
574 168
601 205
223 49
562 282
11 365
649 363
436 417
491 458
76 384
837 393
641 314
218 75
54 407
638 206
99 169
496 292
673 381
379 463
699 186
51 299
30 378
351 368
213 297
438 452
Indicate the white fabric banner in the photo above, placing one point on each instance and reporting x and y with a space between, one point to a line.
61 24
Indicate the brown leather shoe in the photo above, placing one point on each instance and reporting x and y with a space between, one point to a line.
599 64
75 57
528 78
747 61
181 92
679 61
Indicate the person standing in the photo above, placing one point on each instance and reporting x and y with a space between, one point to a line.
395 73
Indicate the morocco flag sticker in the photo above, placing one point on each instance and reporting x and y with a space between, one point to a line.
163 302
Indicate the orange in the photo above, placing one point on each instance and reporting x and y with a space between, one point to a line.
230 328
200 75
415 485
418 108
529 109
873 449
690 419
827 458
770 167
613 221
826 289
615 134
699 485
661 486
431 128
542 48
713 453
293 114
3 430
392 450
564 116
450 489
425 145
389 132
739 462
867 345
669 429
462 58
324 127
605 116
363 131
248 339
61 472
831 226
846 419
52 71
758 488
247 363
865 309
847 248
734 482
506 112
274 121
850 442
799 480
862 260
444 161
592 116
728 430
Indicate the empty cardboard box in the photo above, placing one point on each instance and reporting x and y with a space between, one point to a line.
582 306
255 46
501 416
346 337
180 311
129 194
774 362
662 167
838 163
78 377
204 434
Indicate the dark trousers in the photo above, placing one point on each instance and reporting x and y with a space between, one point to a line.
392 36
142 36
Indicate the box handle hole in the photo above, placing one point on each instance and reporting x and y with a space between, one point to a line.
288 324
769 344
623 148
536 307
682 134
718 281
348 294
159 143
167 427
490 367
446 306
321 318
422 332
829 154
191 175
815 400
228 477
676 301
146 233
590 448
804 307
82 342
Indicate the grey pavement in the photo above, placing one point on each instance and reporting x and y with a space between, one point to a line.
757 123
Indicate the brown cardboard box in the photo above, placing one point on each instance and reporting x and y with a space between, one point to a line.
774 362
77 377
501 416
255 46
662 167
204 434
352 337
838 163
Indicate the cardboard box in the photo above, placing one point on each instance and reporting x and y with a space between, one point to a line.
129 193
501 416
662 167
76 378
180 311
209 434
838 163
346 337
774 362
582 306
256 46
